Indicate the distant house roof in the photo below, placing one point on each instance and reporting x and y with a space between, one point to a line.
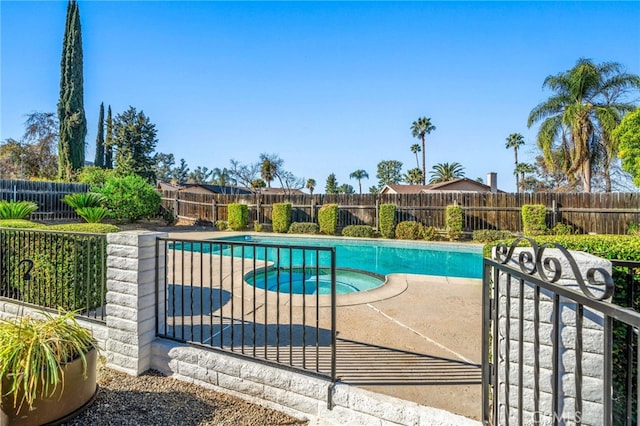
203 188
457 185
215 189
281 191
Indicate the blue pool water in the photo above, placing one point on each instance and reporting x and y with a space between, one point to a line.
313 281
377 256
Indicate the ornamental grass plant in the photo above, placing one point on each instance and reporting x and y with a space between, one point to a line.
33 351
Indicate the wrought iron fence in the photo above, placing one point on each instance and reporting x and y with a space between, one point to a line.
53 269
555 349
272 303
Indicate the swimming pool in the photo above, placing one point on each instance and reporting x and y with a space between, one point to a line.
382 257
297 280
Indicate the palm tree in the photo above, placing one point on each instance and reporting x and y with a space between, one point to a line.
359 174
415 148
221 177
515 141
311 185
444 172
584 107
414 176
270 167
521 169
419 129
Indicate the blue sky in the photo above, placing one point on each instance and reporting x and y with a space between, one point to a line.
331 87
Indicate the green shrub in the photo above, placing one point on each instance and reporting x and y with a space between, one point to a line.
20 223
328 219
534 219
96 177
304 228
387 220
430 233
562 229
257 226
281 217
84 199
489 235
69 269
92 214
453 222
633 229
362 231
130 198
222 225
238 215
93 228
409 230
16 209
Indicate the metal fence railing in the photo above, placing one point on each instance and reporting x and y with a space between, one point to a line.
53 269
556 350
272 303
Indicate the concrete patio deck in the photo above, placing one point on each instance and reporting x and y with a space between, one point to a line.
417 338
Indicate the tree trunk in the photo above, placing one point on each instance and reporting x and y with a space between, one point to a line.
424 170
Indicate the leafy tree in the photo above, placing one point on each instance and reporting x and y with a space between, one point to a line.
580 115
419 129
135 141
181 173
164 166
627 136
445 172
200 175
331 186
73 122
415 148
389 172
515 141
413 176
310 185
99 161
345 189
108 143
258 183
359 175
374 190
34 156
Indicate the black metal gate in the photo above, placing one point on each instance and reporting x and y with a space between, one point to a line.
556 351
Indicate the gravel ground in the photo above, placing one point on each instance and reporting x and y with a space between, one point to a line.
154 399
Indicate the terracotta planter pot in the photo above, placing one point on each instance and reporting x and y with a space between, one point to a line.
69 399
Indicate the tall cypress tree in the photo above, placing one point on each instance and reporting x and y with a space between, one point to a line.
73 123
100 139
108 143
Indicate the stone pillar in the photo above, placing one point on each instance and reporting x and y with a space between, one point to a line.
131 297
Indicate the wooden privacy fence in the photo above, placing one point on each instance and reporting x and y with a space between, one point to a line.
47 195
602 213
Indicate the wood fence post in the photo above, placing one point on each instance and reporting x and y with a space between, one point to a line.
214 211
175 205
